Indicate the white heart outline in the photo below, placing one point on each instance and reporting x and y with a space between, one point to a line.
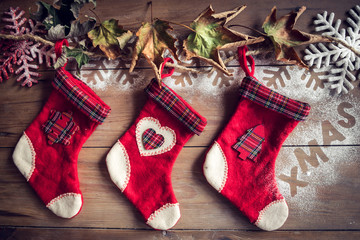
150 122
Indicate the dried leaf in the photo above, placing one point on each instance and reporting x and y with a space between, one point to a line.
80 29
110 37
60 19
153 40
210 35
124 39
77 29
60 61
284 37
76 6
57 32
79 55
51 16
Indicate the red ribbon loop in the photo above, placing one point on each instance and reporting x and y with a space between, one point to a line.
58 47
243 60
171 70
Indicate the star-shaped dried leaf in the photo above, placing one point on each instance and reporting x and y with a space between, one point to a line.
110 37
284 37
210 35
153 40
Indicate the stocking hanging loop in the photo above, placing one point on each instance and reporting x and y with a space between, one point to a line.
171 70
243 60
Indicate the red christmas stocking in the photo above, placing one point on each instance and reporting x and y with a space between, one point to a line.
141 161
47 152
240 164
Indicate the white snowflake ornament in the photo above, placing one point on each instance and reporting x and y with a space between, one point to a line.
345 61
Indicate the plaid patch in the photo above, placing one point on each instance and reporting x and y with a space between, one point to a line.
151 140
80 95
255 91
249 144
176 106
60 127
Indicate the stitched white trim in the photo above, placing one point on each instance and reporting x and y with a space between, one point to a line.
273 215
66 205
24 156
118 165
216 167
62 196
226 168
128 168
168 133
33 154
165 217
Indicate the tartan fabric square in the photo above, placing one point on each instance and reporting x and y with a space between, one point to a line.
60 127
151 140
176 106
75 93
249 144
252 89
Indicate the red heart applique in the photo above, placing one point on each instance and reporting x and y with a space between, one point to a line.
151 140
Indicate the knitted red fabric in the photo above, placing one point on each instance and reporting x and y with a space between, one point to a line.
141 161
48 150
248 179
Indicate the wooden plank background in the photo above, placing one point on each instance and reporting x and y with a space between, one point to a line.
317 169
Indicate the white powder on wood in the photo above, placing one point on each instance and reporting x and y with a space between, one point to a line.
212 87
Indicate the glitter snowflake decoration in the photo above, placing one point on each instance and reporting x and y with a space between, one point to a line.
344 61
23 53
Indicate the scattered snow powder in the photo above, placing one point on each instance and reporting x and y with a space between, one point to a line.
108 75
299 85
324 108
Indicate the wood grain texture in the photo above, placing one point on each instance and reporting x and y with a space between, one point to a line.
201 206
49 233
131 14
317 169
